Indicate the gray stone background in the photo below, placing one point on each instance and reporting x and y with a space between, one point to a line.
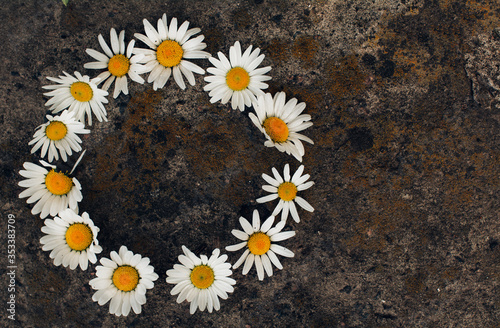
405 100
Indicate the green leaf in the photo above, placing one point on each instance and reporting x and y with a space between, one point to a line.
65 2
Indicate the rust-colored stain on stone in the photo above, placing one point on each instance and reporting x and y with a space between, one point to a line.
278 50
373 228
143 137
305 48
211 148
415 284
242 19
151 137
132 160
346 79
424 44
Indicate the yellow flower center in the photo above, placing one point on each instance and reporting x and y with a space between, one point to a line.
259 243
237 79
169 53
287 191
58 183
56 130
79 236
81 91
202 276
276 128
125 278
118 65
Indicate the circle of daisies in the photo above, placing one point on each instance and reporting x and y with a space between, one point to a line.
123 278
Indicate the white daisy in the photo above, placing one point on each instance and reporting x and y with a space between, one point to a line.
258 240
201 280
79 94
118 61
53 191
238 78
286 189
58 135
72 239
280 123
123 279
170 49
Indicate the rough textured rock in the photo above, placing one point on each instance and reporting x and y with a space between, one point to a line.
404 96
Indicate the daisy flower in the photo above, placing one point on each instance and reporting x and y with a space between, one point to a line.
280 123
123 279
72 239
238 78
201 280
53 191
79 94
170 49
286 190
118 61
58 135
260 250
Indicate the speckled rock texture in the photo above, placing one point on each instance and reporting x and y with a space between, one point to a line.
405 100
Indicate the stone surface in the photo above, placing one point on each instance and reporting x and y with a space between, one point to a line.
404 96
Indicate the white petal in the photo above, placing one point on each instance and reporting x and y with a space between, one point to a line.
282 236
248 263
240 234
114 41
104 46
269 188
304 204
267 224
274 259
236 247
270 180
267 198
267 264
247 227
286 173
259 267
241 259
97 55
255 221
293 211
278 249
